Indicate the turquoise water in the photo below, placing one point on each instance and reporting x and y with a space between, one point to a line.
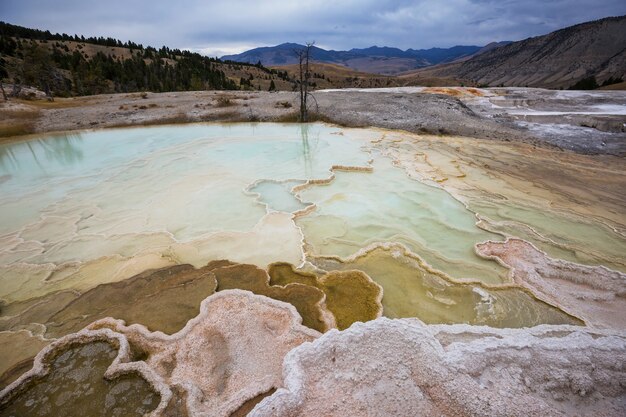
99 206
92 195
360 209
198 170
278 196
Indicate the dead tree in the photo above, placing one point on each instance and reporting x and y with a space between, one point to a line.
304 56
3 71
4 94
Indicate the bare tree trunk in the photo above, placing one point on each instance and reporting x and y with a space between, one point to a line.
303 64
17 88
301 80
48 92
4 94
307 74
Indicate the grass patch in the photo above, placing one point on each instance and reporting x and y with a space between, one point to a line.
174 119
58 103
8 129
227 116
182 118
291 117
224 101
294 117
283 104
17 122
168 120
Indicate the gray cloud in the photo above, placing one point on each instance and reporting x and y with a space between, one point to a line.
225 26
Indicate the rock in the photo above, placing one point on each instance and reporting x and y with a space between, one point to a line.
595 293
230 353
403 367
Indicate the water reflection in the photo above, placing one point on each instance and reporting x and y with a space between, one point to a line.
308 147
65 149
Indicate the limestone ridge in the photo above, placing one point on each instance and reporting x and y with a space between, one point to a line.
230 353
558 59
452 370
243 347
596 293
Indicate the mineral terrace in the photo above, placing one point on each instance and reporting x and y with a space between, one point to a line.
424 251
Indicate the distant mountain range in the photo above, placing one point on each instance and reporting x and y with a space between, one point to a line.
588 52
557 60
375 59
580 56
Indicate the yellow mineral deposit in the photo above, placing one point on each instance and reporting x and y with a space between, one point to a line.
413 289
351 296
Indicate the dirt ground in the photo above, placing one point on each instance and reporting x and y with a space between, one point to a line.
541 117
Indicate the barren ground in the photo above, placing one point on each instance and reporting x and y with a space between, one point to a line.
583 122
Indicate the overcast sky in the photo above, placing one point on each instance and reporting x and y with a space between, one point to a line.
217 27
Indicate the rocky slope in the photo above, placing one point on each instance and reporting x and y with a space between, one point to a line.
556 60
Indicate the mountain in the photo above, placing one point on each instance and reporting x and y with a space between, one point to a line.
375 59
381 51
282 54
35 63
440 55
557 60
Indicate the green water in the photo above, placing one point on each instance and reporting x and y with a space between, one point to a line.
130 175
278 195
410 290
80 197
559 236
361 209
75 386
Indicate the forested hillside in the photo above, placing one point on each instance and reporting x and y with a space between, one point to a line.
71 65
65 65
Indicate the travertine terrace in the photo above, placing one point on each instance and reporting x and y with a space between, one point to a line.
464 265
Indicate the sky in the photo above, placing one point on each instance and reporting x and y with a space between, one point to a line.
219 27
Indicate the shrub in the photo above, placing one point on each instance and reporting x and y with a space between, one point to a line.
588 83
224 101
284 104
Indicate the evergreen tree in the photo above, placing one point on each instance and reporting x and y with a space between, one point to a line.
57 69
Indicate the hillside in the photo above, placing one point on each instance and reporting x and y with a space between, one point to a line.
66 66
584 56
326 75
375 59
560 59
